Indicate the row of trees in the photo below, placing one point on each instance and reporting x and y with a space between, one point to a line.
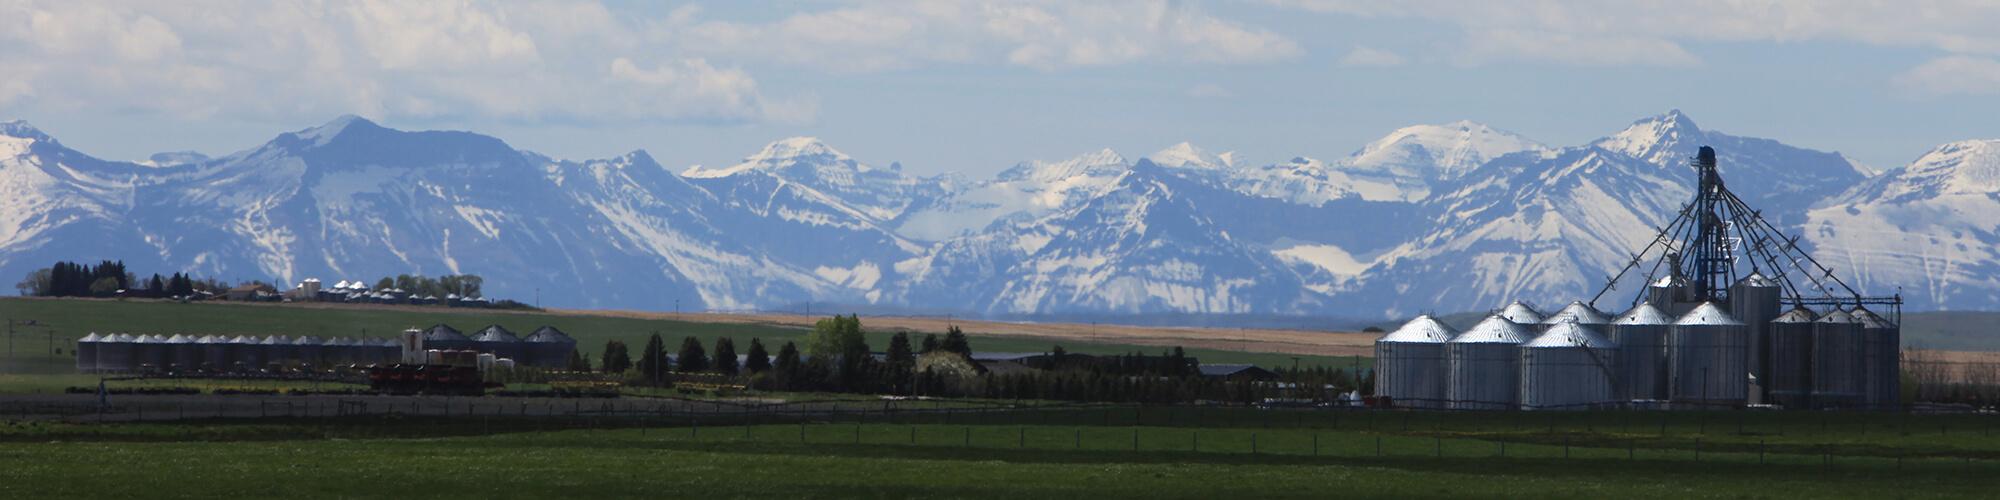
463 285
70 279
836 358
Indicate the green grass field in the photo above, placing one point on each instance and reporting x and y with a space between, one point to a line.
1178 453
60 322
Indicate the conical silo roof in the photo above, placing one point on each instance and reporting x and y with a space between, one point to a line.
240 339
306 340
1570 334
275 340
1795 315
1643 314
1519 312
1494 330
1757 280
1578 312
1422 329
443 331
179 339
144 339
1707 314
1837 316
93 337
1868 319
550 334
495 333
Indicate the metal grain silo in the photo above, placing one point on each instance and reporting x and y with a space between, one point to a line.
333 351
1754 301
1410 366
310 350
114 353
183 352
443 337
1484 365
497 340
1788 359
1706 357
549 347
244 353
1881 356
1668 294
1568 367
86 353
214 352
274 349
150 352
1521 314
388 351
1576 312
1641 336
1836 362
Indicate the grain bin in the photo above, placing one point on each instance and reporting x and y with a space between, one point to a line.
1568 367
1484 365
278 349
1789 357
1881 356
243 352
1837 364
150 353
114 353
336 350
1410 366
86 353
184 353
1579 313
214 352
444 337
311 350
1641 336
1521 314
548 347
498 340
1706 358
1667 294
1754 301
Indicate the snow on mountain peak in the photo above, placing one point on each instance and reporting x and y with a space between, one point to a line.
1103 161
1440 151
323 134
21 129
1656 139
1187 155
1963 167
784 153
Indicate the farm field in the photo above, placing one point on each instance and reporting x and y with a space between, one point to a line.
1110 452
60 321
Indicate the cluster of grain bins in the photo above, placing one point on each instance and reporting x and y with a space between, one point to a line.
126 353
1667 353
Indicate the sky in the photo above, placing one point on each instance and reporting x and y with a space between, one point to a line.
977 86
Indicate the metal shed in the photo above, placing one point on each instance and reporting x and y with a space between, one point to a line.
1410 366
1641 335
1484 365
1569 367
1707 363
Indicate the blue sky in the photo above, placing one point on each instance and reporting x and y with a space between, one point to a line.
975 87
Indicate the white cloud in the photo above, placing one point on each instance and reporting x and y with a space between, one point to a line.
1593 32
1366 56
1209 91
291 61
1044 35
1953 75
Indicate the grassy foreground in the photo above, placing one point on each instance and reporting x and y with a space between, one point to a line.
921 460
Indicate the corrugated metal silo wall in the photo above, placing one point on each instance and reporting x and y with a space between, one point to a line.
153 352
1411 374
1836 365
1881 374
1755 306
86 357
187 355
1707 363
1642 361
1790 364
255 355
114 356
1484 375
1566 378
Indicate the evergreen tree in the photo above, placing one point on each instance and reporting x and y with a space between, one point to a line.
578 362
955 342
725 356
787 366
693 358
930 343
902 363
759 360
616 359
653 360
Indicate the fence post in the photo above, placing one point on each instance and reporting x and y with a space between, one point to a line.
1440 445
1023 440
1378 445
968 437
1760 451
1315 444
1565 446
1253 443
1697 449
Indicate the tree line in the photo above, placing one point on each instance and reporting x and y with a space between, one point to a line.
835 357
106 279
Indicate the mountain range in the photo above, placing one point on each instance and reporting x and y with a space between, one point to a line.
1450 217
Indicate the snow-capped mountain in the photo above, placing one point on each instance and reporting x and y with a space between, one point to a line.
1449 217
1931 228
